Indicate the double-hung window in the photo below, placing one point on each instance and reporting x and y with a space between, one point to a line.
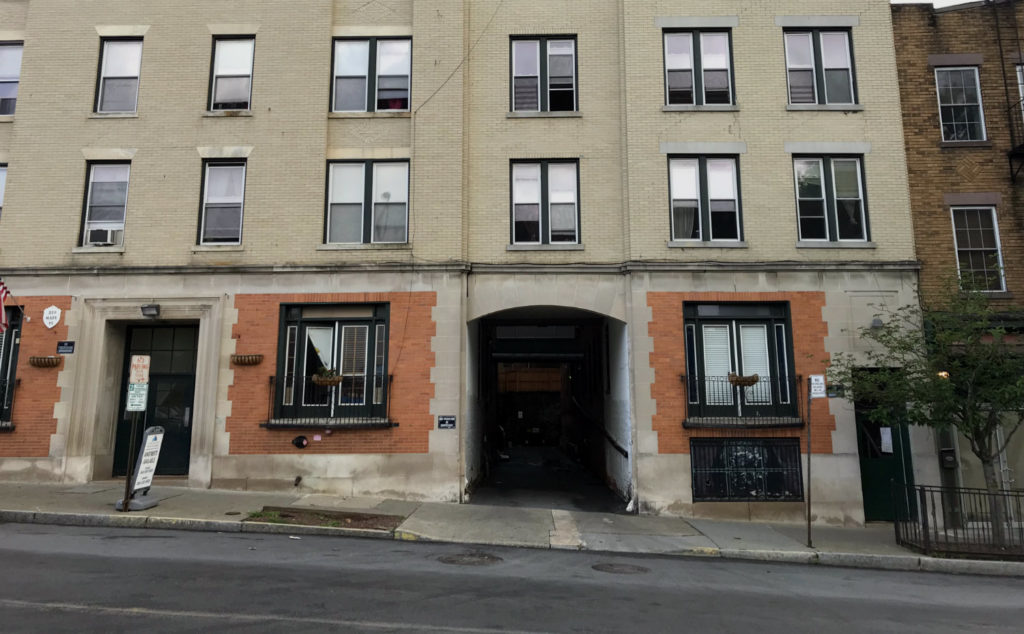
372 75
106 202
830 198
9 342
231 76
739 362
545 197
10 75
368 201
544 74
705 198
223 199
960 111
978 254
332 360
120 65
698 68
819 67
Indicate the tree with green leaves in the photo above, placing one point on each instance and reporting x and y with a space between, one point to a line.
957 363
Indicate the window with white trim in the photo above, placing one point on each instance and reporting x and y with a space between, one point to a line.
10 75
545 197
387 61
332 360
120 66
231 76
106 203
544 74
223 200
367 202
979 258
830 199
960 111
705 198
819 67
698 67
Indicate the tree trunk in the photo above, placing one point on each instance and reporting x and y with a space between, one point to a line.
996 502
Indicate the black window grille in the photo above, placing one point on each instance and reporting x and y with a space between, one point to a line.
744 469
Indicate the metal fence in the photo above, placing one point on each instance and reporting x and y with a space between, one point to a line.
950 521
311 403
741 402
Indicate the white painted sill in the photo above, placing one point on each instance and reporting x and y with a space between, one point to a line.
114 115
217 248
97 250
228 113
702 108
387 114
825 107
575 114
810 244
710 244
6 118
544 247
370 246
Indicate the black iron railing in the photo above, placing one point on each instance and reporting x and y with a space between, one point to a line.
6 404
949 521
316 403
741 402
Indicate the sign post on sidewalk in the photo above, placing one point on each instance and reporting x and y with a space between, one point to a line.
137 397
815 389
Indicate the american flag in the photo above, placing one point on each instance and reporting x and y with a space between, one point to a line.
4 294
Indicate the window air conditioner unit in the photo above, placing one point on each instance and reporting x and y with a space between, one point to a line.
103 237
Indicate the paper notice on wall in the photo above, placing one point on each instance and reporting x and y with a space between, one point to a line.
886 433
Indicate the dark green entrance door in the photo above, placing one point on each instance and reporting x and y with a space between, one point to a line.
172 380
884 458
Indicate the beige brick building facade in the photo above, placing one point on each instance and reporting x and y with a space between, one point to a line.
508 106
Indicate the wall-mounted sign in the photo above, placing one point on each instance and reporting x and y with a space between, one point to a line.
817 386
51 316
65 347
446 422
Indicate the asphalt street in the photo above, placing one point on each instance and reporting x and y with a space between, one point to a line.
66 579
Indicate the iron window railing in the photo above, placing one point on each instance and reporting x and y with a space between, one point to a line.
741 402
314 390
746 469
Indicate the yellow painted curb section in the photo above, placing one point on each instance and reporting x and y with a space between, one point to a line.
406 537
704 551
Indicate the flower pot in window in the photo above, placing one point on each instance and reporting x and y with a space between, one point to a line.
246 359
743 381
320 379
51 361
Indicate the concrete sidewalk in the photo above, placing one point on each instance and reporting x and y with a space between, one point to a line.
218 510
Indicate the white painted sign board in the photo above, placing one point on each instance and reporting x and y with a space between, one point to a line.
148 460
818 386
139 370
51 316
138 394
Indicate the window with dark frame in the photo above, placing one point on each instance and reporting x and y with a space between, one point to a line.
10 75
831 206
979 256
231 75
348 342
106 203
698 68
367 202
743 339
9 343
223 201
705 201
960 112
545 202
544 74
746 469
387 61
3 185
819 67
120 66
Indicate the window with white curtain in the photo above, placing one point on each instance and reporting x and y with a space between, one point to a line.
705 201
231 84
698 68
372 74
106 203
545 202
223 200
120 66
368 202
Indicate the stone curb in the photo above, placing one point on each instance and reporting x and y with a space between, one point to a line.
910 563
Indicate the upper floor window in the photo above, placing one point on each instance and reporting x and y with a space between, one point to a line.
830 198
120 65
978 255
705 198
368 201
388 62
819 67
10 75
960 110
106 202
544 74
698 68
223 198
231 80
544 202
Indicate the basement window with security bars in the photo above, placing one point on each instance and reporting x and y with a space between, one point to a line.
746 469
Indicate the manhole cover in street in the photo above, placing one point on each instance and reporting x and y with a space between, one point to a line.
470 559
620 569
